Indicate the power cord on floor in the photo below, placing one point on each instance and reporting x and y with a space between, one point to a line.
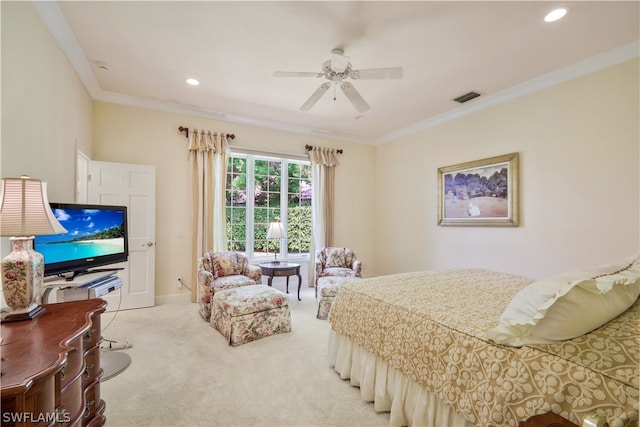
114 345
114 314
182 284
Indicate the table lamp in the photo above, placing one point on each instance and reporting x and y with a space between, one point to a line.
24 213
276 231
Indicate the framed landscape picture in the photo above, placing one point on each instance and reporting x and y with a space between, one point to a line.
479 193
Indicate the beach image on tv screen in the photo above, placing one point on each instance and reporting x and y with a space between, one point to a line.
90 233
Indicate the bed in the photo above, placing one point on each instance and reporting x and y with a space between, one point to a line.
417 344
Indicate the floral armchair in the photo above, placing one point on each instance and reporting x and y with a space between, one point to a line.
337 262
223 270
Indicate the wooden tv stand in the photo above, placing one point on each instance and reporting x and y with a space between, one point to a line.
51 367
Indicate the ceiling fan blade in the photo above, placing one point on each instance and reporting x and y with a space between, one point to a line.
377 73
296 74
315 96
352 94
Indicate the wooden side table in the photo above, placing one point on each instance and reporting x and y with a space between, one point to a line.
282 269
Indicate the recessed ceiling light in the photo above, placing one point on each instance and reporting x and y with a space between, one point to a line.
193 82
555 14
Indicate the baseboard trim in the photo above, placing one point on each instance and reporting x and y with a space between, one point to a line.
173 298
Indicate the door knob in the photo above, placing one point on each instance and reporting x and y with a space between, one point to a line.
148 244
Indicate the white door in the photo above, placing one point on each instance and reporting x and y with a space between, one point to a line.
82 174
132 186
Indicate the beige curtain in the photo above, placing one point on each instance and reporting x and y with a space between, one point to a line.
208 153
323 163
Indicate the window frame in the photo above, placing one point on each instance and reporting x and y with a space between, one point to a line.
250 157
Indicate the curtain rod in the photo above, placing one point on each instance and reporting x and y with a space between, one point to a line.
267 152
186 132
310 147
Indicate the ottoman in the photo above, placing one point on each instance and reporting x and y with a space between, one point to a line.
249 313
327 288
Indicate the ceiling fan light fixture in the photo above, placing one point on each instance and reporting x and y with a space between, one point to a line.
556 14
339 62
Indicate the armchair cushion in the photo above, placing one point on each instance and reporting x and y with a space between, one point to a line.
335 257
338 272
234 281
224 264
253 272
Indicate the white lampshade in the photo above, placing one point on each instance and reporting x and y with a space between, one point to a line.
276 231
25 210
24 213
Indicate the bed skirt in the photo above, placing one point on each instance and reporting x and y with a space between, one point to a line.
408 403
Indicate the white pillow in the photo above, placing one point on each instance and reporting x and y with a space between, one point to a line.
568 305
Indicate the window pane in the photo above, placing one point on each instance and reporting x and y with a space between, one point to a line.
274 200
293 170
274 214
299 209
235 196
305 193
299 237
261 216
273 183
260 232
262 166
274 168
236 228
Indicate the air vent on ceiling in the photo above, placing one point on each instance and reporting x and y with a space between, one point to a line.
466 97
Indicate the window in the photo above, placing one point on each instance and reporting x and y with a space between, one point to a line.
281 190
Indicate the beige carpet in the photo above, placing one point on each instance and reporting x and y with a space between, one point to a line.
183 373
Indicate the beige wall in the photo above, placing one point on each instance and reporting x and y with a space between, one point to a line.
579 184
135 135
46 111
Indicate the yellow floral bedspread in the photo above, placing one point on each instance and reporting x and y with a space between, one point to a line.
432 326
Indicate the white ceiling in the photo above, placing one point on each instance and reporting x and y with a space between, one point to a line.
446 49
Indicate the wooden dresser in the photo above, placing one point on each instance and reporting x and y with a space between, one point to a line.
51 367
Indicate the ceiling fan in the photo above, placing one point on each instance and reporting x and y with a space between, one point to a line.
336 70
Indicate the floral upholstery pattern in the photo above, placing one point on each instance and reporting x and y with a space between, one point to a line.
335 257
223 270
249 313
336 262
327 288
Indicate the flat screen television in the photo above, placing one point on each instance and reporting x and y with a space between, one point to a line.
96 236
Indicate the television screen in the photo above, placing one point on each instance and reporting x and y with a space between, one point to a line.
96 236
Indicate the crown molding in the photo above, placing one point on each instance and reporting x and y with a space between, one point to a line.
57 25
607 59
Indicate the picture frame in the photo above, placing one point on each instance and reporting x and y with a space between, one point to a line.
479 193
